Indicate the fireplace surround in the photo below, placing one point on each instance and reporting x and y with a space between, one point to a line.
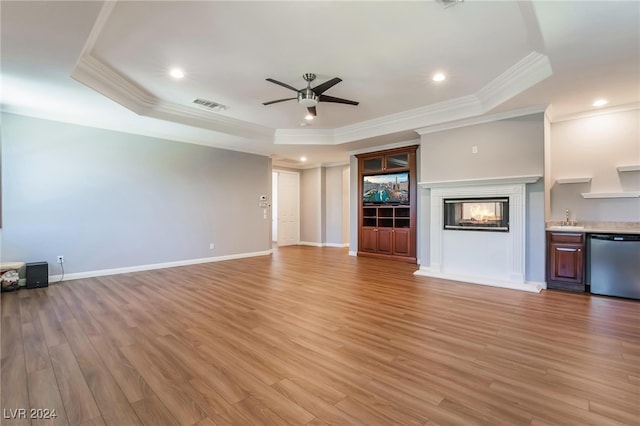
488 258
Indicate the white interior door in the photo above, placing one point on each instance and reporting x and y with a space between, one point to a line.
288 208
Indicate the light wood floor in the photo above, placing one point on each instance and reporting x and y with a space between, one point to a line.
311 336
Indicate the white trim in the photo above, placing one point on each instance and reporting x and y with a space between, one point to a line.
353 253
514 285
313 244
522 112
630 168
309 243
610 194
481 181
562 181
149 267
586 114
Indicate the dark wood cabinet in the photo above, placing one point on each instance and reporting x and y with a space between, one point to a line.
388 229
565 261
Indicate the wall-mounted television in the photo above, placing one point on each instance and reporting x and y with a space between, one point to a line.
389 188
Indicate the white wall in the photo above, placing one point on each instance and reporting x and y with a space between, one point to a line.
107 200
593 147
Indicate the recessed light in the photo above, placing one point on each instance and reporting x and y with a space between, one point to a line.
600 102
303 159
176 73
309 117
439 77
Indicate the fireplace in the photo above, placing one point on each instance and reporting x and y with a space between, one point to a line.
476 214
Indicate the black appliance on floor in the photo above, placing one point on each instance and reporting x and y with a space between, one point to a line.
37 274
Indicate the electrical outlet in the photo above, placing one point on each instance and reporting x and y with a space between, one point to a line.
61 259
474 149
212 246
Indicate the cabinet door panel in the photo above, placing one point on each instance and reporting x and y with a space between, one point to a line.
566 262
402 242
397 161
368 239
372 164
385 236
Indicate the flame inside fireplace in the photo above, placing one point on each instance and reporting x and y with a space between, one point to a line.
481 212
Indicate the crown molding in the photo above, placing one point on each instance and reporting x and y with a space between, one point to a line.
529 71
100 77
538 109
556 118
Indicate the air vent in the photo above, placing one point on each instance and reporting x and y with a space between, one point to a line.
448 3
210 105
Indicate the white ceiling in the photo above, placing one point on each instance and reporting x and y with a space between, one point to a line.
106 65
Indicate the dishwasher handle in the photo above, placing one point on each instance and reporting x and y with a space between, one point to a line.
615 237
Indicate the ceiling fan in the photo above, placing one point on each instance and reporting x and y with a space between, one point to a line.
310 96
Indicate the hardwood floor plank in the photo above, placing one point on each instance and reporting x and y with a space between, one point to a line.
44 395
108 396
15 394
314 404
76 395
173 395
314 336
152 412
131 383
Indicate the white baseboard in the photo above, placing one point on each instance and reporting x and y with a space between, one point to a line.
514 285
312 244
139 268
353 253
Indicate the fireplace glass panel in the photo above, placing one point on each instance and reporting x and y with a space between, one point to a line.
477 214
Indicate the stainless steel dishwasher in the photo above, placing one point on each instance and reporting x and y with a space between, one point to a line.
614 264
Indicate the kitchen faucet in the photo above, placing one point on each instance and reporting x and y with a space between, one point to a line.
567 222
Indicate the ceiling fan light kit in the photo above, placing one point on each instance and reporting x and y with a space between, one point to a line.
309 96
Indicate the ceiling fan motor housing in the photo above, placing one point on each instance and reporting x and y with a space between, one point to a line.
307 98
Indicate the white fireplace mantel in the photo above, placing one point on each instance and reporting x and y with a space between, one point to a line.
482 181
467 255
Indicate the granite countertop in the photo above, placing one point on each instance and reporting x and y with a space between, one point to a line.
597 227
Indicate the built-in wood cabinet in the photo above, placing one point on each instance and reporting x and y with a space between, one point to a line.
565 261
387 229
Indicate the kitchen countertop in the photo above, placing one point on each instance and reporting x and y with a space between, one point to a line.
597 227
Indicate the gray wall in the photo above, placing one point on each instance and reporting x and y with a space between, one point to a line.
513 147
324 205
105 199
334 208
354 205
593 147
312 203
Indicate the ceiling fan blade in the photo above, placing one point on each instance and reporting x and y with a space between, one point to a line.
312 111
321 88
279 100
279 83
325 98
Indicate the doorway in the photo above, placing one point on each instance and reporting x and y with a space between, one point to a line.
285 207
